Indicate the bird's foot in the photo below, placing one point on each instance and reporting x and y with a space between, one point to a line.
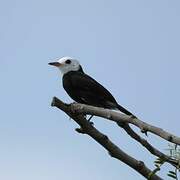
89 120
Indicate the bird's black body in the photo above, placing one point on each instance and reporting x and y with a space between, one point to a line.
84 89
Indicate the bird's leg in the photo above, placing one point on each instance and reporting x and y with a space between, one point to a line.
89 120
80 130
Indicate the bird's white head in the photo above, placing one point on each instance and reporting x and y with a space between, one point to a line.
66 64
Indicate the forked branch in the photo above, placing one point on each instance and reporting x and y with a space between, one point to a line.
77 113
122 118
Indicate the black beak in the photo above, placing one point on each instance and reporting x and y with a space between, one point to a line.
57 64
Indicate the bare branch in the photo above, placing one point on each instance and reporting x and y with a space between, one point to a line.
122 121
102 139
122 118
147 145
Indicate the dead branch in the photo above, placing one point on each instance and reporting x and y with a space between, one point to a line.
147 145
122 118
77 112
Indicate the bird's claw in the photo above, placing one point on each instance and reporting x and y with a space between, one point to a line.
89 119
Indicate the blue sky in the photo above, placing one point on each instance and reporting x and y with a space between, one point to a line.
131 47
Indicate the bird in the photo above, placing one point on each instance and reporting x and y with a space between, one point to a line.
82 88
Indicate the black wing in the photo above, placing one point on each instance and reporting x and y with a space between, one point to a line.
84 89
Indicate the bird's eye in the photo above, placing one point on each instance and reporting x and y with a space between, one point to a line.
68 61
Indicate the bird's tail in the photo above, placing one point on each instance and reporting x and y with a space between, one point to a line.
125 111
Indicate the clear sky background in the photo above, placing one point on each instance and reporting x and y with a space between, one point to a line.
131 47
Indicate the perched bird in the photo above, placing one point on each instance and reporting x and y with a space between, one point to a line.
83 88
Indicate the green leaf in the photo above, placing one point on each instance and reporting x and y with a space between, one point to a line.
172 172
159 161
173 176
